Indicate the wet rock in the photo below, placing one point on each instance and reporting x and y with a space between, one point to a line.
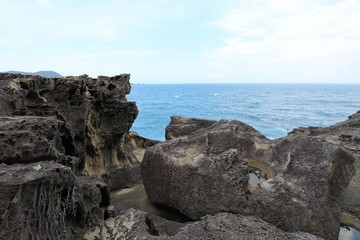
207 171
135 224
136 198
45 200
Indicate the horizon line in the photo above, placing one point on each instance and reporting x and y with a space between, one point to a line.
254 83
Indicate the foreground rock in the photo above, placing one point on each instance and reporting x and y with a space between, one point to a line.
347 136
45 200
128 173
135 224
52 133
77 121
29 139
207 171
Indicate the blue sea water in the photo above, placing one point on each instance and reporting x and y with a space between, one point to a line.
273 109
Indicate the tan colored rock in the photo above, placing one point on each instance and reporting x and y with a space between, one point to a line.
95 120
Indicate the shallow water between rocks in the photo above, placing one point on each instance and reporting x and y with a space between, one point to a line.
348 233
136 197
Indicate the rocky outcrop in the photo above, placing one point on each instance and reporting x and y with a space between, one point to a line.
29 139
57 137
127 175
45 200
207 171
347 136
135 224
181 127
60 138
82 123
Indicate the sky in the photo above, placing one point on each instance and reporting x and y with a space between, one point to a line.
188 41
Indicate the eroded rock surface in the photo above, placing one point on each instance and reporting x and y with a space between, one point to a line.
52 133
182 127
128 175
91 120
45 200
135 224
207 171
29 139
347 136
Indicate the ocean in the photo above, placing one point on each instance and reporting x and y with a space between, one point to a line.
272 109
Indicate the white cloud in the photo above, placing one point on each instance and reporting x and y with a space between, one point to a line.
44 3
305 36
106 29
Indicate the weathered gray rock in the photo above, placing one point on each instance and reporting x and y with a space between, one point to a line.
211 184
45 200
128 175
347 136
311 179
95 120
206 171
182 127
135 224
29 139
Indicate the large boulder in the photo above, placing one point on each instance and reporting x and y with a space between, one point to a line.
347 136
208 171
135 224
181 127
45 200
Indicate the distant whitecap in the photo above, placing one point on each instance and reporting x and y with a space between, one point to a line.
274 110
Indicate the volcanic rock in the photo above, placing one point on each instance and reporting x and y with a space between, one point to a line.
45 200
128 175
135 224
91 119
29 139
347 136
182 127
207 171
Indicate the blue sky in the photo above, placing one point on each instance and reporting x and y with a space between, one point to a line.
169 41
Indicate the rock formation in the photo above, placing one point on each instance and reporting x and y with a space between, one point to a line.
29 139
347 136
45 200
135 224
181 127
65 144
57 137
207 171
78 121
